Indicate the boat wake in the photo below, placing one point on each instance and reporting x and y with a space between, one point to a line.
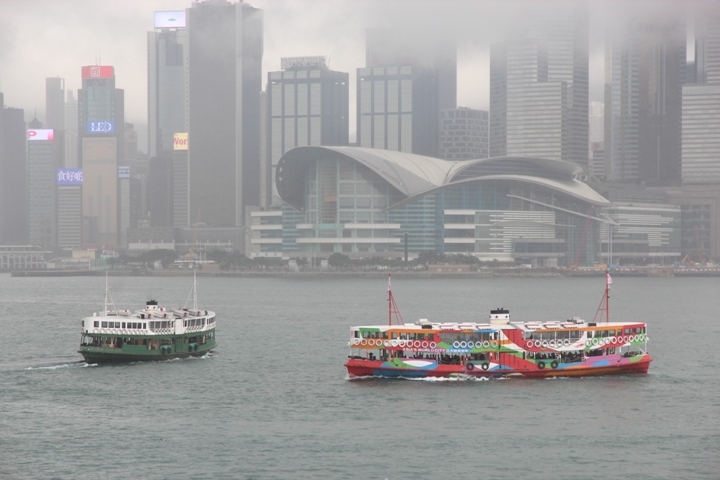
64 365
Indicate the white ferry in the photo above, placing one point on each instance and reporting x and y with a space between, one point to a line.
151 333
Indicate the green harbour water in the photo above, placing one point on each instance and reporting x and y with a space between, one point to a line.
274 401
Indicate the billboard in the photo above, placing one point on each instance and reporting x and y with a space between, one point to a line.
98 71
103 127
123 171
69 176
170 19
40 134
180 141
289 62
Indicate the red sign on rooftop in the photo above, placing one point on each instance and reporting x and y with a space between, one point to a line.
98 71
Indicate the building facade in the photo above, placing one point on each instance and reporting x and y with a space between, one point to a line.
167 54
539 86
367 202
463 134
644 73
44 157
13 183
225 47
307 105
101 121
433 49
398 109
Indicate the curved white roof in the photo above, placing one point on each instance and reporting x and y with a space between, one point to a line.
413 175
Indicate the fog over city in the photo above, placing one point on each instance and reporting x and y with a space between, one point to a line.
47 38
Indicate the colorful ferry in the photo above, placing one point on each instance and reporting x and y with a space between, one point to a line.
499 347
151 333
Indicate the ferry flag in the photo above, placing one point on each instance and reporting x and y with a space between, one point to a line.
609 279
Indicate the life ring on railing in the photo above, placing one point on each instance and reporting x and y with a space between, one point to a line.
463 344
394 343
595 341
529 344
433 344
424 344
641 337
417 344
544 343
566 342
485 365
551 343
486 344
554 364
631 338
588 343
538 343
494 344
363 342
614 340
469 366
456 344
356 341
541 364
386 343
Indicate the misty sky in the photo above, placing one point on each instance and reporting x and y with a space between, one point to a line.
47 38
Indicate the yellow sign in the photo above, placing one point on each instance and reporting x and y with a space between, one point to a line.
180 141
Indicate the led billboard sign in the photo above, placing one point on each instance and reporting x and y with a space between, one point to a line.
98 71
103 127
41 134
69 176
170 19
180 141
123 171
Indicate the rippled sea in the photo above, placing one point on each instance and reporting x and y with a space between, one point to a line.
274 400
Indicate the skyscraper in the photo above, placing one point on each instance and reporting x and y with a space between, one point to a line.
101 121
13 181
644 73
539 86
416 46
701 107
44 157
71 131
55 103
167 80
398 109
308 105
225 46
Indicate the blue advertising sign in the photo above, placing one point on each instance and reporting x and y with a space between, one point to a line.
69 176
123 171
103 127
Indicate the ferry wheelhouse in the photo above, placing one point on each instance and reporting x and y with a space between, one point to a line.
151 333
499 347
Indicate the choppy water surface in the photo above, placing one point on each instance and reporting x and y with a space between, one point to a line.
274 400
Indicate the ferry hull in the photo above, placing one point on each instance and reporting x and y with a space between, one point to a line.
98 355
421 369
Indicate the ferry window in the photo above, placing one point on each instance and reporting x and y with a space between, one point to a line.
123 325
117 324
96 324
143 325
590 334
